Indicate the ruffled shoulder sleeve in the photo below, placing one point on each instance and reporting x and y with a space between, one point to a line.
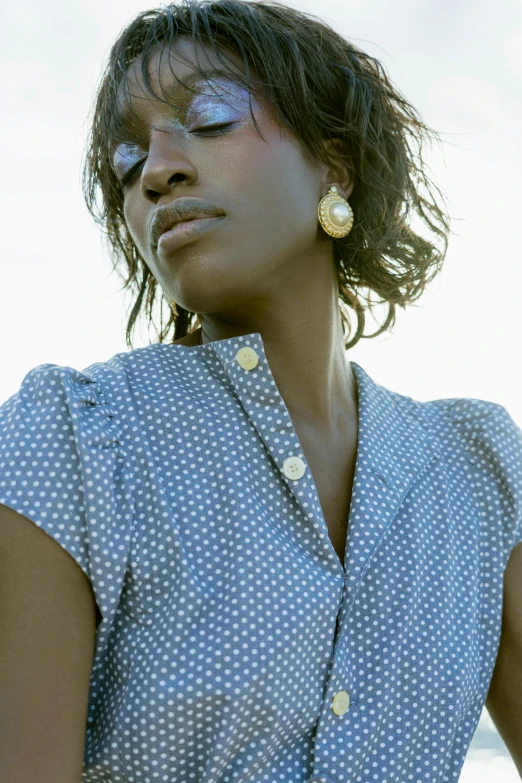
494 441
63 466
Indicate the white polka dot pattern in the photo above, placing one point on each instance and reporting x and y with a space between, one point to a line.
229 624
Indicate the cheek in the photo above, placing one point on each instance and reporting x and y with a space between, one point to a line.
134 222
271 184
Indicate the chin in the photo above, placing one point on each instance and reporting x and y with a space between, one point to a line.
204 301
208 287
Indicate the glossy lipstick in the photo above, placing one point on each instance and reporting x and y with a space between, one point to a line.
183 232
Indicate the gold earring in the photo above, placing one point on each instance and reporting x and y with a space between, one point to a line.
335 214
173 307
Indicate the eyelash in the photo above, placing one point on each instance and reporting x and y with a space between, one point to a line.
131 174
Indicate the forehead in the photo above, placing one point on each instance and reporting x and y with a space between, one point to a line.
175 70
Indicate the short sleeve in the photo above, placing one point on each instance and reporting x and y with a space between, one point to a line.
494 440
63 466
507 439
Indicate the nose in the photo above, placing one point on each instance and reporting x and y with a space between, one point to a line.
167 163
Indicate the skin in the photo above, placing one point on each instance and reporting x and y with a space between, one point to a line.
267 266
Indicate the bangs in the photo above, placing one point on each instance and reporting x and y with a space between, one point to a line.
123 121
321 86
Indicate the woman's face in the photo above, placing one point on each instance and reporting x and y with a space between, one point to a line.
265 187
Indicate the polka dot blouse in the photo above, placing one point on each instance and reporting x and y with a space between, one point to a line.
232 645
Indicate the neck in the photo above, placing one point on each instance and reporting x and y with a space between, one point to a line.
307 359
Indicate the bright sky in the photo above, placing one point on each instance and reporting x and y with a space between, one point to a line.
458 61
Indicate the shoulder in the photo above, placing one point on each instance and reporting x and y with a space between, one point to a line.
469 430
480 445
59 410
462 429
480 425
467 417
49 383
476 424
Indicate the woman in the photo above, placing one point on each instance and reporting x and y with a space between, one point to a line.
270 568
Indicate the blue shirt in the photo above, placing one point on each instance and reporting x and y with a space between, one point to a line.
234 647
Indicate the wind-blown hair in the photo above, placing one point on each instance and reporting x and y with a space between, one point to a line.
322 87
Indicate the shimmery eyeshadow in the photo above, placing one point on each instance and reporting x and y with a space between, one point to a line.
212 106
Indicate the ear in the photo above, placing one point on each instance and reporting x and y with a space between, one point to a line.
339 170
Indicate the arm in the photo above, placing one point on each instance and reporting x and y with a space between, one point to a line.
47 636
504 699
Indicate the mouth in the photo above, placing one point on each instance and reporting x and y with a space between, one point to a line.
184 231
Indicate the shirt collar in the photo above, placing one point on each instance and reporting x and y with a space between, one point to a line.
393 442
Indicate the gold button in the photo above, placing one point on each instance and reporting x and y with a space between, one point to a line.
341 702
294 468
247 358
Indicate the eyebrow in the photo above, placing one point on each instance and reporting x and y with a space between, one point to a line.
177 87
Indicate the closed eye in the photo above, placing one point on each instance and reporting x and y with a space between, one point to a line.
209 128
130 176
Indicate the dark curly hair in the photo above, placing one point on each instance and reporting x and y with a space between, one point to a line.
323 87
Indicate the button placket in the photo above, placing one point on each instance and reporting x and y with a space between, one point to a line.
247 358
249 371
341 702
294 468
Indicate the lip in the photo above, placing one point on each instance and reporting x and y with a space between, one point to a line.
182 209
184 231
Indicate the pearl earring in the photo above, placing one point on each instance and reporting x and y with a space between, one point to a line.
335 214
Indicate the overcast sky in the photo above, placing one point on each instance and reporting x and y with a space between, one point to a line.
458 61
